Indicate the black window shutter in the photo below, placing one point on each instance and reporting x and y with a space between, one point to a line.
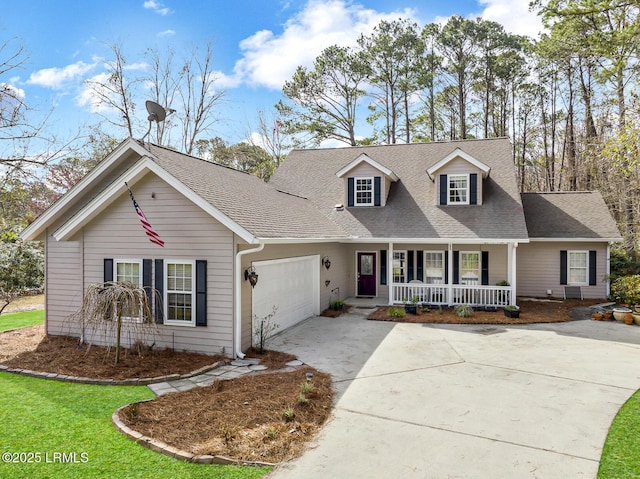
383 266
592 268
485 268
350 191
201 292
376 191
147 283
443 189
446 267
473 189
159 285
456 267
108 270
409 266
420 265
563 267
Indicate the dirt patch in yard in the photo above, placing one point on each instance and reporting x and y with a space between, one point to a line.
531 311
265 417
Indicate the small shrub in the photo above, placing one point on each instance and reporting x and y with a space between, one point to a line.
264 329
337 305
464 310
288 414
626 289
302 399
396 312
271 433
306 388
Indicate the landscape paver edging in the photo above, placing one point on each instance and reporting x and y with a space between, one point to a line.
174 452
112 382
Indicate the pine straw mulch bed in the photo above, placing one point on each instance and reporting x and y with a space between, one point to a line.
531 311
30 348
243 418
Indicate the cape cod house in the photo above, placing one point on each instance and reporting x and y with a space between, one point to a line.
442 221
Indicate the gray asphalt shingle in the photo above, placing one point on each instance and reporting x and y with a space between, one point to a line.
569 214
411 211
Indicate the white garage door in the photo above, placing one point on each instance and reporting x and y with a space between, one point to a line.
292 285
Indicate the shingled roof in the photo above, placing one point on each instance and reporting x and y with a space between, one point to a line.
569 215
253 204
410 211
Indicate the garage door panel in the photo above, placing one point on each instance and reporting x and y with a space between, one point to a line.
291 285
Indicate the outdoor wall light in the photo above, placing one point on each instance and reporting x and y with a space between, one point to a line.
251 276
326 262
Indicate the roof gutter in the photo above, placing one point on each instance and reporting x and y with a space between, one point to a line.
237 299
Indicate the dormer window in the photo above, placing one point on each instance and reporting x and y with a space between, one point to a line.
367 182
364 192
458 189
458 178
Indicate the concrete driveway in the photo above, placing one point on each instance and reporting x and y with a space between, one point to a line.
464 401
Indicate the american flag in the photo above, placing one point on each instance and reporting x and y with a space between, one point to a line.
146 226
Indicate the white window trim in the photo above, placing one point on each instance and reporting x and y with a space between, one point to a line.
460 279
405 269
444 266
174 322
117 261
355 190
468 189
586 269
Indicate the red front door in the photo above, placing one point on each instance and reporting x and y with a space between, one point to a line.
366 274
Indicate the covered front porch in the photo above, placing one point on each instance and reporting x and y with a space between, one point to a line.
463 273
438 274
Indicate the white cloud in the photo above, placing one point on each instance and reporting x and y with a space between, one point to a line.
157 7
136 66
167 33
270 59
57 78
87 97
514 15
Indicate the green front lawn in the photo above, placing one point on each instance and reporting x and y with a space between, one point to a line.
621 453
48 420
21 320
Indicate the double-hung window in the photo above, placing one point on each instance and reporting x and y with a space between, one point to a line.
578 267
458 189
129 271
399 266
469 267
180 293
364 192
434 267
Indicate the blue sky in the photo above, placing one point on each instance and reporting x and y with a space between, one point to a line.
257 44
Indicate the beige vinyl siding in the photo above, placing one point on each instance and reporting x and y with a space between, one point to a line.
539 268
337 274
189 234
365 170
63 284
457 166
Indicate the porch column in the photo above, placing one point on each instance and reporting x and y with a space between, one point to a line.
390 273
450 276
512 255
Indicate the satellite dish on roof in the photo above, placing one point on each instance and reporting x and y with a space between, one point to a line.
157 113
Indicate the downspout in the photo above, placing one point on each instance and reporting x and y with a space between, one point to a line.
237 299
608 271
514 272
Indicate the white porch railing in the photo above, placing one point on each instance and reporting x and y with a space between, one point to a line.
438 294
